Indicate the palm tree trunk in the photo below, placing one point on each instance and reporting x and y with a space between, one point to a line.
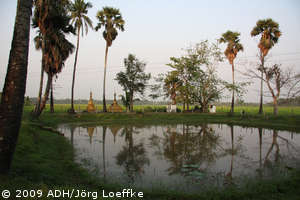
233 83
11 107
51 98
38 103
261 86
74 71
46 95
104 78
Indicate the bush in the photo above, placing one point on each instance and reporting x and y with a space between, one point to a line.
161 109
149 109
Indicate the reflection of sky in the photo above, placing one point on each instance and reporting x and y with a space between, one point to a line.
245 160
156 30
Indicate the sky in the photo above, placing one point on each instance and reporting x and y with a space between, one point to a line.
156 30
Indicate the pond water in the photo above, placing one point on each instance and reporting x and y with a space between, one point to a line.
183 157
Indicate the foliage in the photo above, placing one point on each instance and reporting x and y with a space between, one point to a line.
134 79
111 19
79 10
157 88
53 22
233 44
233 47
207 88
193 78
270 33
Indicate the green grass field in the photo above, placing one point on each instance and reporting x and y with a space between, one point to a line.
253 110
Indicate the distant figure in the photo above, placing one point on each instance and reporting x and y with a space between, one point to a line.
212 109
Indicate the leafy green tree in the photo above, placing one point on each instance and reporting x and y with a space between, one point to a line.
233 47
126 100
111 19
79 10
134 79
180 78
207 88
189 68
11 107
270 33
171 85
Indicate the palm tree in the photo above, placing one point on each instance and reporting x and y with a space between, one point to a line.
40 45
11 107
111 19
270 33
59 51
233 47
51 17
79 10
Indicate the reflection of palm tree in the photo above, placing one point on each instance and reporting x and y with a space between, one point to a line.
72 128
132 157
229 174
103 151
260 146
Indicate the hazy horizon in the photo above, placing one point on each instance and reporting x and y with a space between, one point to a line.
154 32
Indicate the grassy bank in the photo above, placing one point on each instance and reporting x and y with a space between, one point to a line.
44 160
286 120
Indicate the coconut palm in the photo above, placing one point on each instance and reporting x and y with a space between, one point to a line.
79 10
111 19
11 106
233 47
270 33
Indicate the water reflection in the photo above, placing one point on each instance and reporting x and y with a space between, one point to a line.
183 156
132 157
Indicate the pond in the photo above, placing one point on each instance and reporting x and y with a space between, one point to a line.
183 157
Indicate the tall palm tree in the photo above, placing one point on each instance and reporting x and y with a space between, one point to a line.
111 19
233 47
40 45
270 33
51 17
57 54
12 99
79 10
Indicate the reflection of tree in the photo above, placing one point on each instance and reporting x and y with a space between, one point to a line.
103 151
274 144
260 146
232 151
72 129
132 157
192 147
